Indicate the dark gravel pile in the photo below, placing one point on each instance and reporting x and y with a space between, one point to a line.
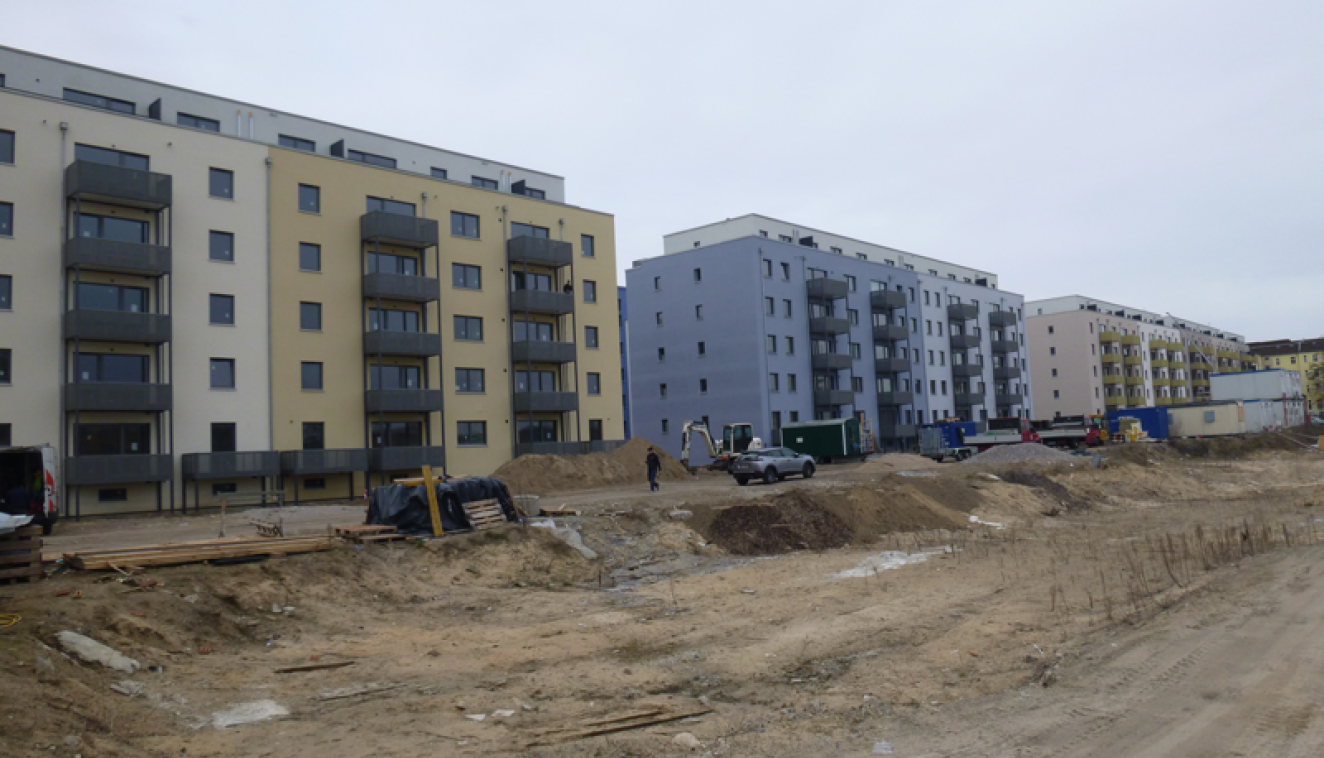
790 522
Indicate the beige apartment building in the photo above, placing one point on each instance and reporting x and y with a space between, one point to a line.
201 297
1088 356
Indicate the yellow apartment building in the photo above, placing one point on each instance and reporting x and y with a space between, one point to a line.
1305 357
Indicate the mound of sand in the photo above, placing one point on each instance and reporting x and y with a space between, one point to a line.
1020 453
548 474
893 462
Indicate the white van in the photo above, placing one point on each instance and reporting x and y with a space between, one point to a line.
33 471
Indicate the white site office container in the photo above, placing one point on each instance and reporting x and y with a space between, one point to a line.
1255 385
1206 420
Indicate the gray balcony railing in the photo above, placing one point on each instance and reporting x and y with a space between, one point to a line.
537 351
567 448
546 402
1004 346
231 465
889 333
117 469
827 289
301 462
964 341
895 398
418 344
542 301
896 431
1002 318
537 251
968 369
886 300
398 230
413 289
891 365
120 257
1014 398
117 326
406 458
117 185
830 361
833 397
402 401
829 325
117 396
962 311
1007 372
968 398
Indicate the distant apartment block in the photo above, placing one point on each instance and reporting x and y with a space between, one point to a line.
1305 357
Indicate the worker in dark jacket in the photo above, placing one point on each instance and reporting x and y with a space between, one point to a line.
654 466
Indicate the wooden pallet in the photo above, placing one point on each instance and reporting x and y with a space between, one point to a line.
360 531
194 552
484 514
20 555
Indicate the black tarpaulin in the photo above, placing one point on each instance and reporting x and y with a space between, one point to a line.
406 507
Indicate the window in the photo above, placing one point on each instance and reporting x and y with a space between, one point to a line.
6 146
198 122
666 427
310 375
221 183
310 257
698 313
853 316
471 433
370 159
98 101
6 219
698 274
310 198
535 381
773 383
222 310
224 488
314 435
528 230
661 353
790 345
393 377
6 293
297 143
6 435
586 246
1055 394
1052 351
590 291
595 430
662 389
114 439
315 482
390 206
468 328
790 383
703 386
857 384
772 343
703 349
532 331
387 263
657 283
111 157
397 434
222 373
221 246
6 358
591 337
850 282
466 277
464 225
310 317
469 380
113 495
479 181
1054 372
767 268
786 272
1050 329
769 306
223 438
594 383
855 350
111 228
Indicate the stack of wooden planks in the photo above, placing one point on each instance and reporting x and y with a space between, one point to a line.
20 554
638 718
364 534
192 552
484 514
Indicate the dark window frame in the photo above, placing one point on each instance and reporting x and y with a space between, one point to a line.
370 159
6 292
314 248
590 338
484 183
464 381
440 173
312 370
117 435
460 276
460 225
123 158
224 427
400 377
310 202
227 314
593 383
316 431
229 365
6 219
387 205
199 122
6 365
104 102
296 143
307 308
463 327
214 238
225 184
590 291
471 433
587 246
100 373
8 147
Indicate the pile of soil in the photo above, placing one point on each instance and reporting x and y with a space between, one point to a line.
1049 487
893 462
1139 453
1018 453
1233 447
548 474
791 521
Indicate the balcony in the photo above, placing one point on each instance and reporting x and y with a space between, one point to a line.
1110 336
1009 398
829 325
119 257
962 311
1158 344
887 300
1200 364
967 398
542 301
890 399
1004 346
1112 379
537 251
402 344
231 465
1199 382
117 469
896 431
117 396
1114 401
834 397
1175 345
1162 401
1007 372
398 230
827 289
967 370
889 333
546 402
891 365
1132 360
1111 357
964 341
406 458
304 462
1158 363
410 289
1001 318
1135 381
99 182
1131 339
117 326
830 361
402 401
535 351
1162 381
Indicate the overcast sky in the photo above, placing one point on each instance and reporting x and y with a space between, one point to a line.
1164 155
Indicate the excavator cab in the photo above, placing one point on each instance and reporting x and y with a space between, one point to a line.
737 438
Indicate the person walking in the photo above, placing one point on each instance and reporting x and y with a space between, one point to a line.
654 466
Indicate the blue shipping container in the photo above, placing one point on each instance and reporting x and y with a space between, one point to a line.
1153 420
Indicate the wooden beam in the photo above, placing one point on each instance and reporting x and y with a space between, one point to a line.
433 508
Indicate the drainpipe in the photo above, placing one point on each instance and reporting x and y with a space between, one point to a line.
271 357
62 437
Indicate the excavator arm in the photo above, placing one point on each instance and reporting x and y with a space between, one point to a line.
690 429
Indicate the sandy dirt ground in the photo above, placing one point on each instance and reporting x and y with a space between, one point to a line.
1165 604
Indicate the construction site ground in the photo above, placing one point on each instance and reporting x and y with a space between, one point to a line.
1167 603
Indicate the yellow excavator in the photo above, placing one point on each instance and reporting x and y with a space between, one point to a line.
736 439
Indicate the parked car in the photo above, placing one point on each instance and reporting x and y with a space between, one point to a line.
771 464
